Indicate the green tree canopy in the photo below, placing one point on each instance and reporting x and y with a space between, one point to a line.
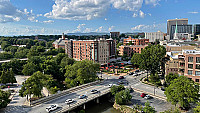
148 109
123 97
4 98
182 91
170 77
115 89
197 108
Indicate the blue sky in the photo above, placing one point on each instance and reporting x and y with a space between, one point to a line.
34 17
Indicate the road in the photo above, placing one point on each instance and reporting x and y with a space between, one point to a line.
136 83
61 100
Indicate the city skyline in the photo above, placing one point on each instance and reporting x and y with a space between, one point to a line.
34 17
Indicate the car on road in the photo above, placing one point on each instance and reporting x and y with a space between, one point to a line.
121 77
143 95
69 101
94 91
131 73
51 107
110 85
147 97
120 82
135 74
82 96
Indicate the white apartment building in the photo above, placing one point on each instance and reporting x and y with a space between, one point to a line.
154 35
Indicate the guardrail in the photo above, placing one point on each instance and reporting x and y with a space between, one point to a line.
73 106
63 93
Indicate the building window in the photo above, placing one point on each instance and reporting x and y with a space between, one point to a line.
197 73
190 66
197 59
190 59
197 66
189 72
196 80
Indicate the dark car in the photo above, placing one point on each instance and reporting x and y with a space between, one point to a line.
137 71
131 73
121 77
143 95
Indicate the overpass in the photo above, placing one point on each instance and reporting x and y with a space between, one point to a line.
3 61
39 106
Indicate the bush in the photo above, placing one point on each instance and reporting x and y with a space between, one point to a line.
123 97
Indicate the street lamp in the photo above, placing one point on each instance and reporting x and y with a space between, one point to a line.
30 95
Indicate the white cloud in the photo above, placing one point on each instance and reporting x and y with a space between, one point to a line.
9 13
90 9
141 14
80 28
105 19
135 15
193 12
99 29
111 28
78 9
49 21
149 14
149 28
152 2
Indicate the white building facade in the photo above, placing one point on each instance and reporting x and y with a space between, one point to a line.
154 35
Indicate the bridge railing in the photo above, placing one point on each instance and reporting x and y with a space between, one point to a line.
62 93
73 106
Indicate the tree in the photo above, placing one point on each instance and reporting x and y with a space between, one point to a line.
4 78
197 108
136 59
11 76
170 77
119 44
34 84
59 57
29 68
182 91
151 58
148 109
115 89
81 72
67 61
123 97
4 98
5 44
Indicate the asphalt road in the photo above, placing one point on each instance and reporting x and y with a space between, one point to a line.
61 101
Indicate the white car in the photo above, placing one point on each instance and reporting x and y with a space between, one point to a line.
94 91
69 101
51 107
147 97
110 85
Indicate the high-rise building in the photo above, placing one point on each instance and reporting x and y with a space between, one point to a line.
180 29
171 22
154 35
196 30
114 34
100 51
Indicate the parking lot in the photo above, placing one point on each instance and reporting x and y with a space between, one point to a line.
159 105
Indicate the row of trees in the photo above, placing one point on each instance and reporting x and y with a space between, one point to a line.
4 98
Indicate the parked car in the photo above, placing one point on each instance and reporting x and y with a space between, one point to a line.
137 71
135 74
143 95
131 73
121 77
110 85
51 107
147 97
94 91
82 96
69 101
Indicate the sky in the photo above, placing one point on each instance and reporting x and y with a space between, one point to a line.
38 17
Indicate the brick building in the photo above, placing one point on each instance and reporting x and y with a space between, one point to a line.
130 50
135 41
100 51
189 64
60 42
